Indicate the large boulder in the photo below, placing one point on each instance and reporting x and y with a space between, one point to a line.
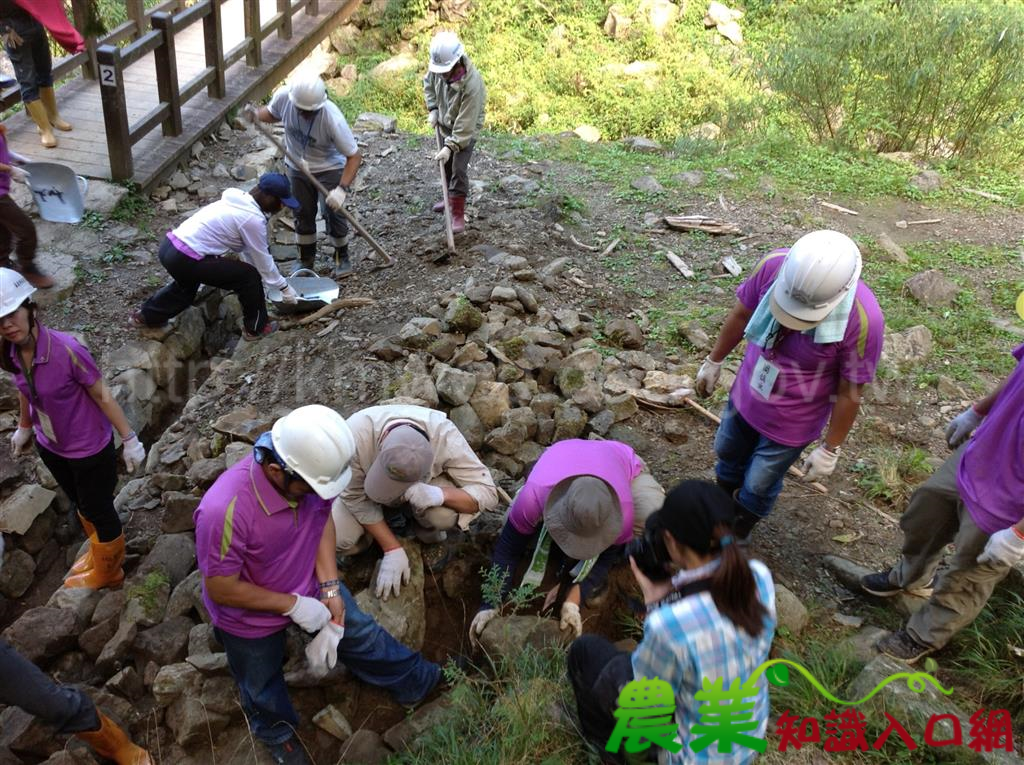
43 633
20 509
910 346
490 400
173 554
392 75
404 616
932 288
506 636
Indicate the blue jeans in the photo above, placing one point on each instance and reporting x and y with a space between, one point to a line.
33 65
751 461
23 684
369 652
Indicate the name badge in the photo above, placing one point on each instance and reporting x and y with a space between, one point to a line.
46 426
763 379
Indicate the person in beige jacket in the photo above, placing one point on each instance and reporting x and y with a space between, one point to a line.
455 96
408 460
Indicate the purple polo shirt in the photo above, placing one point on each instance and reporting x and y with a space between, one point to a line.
5 158
245 527
801 400
611 461
991 474
62 370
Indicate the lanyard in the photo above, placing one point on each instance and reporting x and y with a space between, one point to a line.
309 133
535 572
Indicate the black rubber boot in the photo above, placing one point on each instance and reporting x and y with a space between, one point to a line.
744 524
307 255
342 263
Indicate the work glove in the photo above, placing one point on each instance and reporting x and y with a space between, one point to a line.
820 463
423 495
20 441
476 627
12 39
1005 548
444 155
707 376
336 199
394 572
289 296
134 453
432 119
322 651
571 619
20 174
250 112
960 427
308 613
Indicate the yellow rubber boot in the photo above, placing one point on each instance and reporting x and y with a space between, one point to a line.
113 743
84 562
49 99
106 570
37 112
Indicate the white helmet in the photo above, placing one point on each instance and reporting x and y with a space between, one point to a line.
821 268
315 442
308 94
445 52
14 290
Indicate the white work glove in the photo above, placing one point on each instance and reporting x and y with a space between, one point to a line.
820 463
423 495
571 619
134 453
289 296
476 627
1004 547
322 651
20 174
432 119
444 155
20 441
308 613
707 376
394 572
336 199
960 427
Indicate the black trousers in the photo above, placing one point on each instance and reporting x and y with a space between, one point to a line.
17 233
456 169
189 274
310 201
89 482
598 671
33 65
23 684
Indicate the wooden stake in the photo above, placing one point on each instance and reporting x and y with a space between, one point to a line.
679 264
837 208
449 232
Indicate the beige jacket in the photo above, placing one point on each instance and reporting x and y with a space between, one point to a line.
452 456
460 107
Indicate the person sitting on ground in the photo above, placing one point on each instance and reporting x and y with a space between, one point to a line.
265 547
814 335
409 460
192 254
65 404
714 619
17 232
456 98
69 710
975 501
582 501
316 134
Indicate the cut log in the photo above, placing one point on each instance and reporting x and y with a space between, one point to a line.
680 264
700 223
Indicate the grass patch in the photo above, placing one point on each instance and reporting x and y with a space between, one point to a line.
891 474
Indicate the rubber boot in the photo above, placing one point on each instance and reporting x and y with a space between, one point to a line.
49 99
438 206
743 524
342 263
458 214
113 743
84 562
107 558
307 255
37 112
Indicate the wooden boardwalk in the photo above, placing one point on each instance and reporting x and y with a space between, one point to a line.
85 148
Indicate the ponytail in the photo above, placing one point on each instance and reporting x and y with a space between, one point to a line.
733 587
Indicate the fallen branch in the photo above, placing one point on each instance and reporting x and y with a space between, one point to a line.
578 243
680 264
837 208
610 247
700 223
905 223
327 310
984 194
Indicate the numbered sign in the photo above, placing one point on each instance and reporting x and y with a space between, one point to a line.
108 78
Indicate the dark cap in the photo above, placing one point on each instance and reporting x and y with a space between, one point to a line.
277 185
690 513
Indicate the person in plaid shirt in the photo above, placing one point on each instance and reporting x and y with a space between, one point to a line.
714 618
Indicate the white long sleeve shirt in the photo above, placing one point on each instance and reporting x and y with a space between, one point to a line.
234 223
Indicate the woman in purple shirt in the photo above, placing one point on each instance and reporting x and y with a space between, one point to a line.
66 405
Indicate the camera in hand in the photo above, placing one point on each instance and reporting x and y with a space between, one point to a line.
650 554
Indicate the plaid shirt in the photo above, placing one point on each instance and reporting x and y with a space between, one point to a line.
689 640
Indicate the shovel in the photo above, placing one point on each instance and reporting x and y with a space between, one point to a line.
444 192
389 261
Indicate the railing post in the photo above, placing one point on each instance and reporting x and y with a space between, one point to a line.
214 46
313 8
80 12
167 72
284 7
254 56
115 112
137 13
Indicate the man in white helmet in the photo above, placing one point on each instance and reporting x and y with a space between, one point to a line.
317 134
455 97
265 546
814 336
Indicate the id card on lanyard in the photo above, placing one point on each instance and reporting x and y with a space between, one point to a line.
44 419
762 381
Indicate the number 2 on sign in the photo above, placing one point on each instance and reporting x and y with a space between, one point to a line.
107 76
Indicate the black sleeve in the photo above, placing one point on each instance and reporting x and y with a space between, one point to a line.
599 573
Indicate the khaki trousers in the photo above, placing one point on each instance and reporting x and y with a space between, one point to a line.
648 497
935 517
